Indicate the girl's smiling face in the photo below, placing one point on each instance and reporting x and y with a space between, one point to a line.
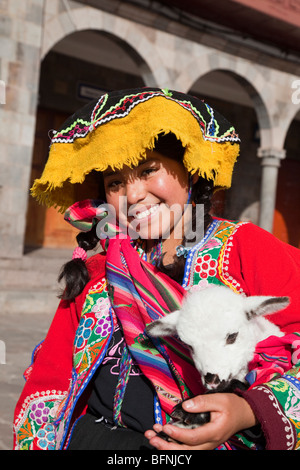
144 197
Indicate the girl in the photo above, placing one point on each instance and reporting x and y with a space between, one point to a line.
97 381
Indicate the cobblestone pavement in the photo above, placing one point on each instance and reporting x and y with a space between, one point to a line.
20 334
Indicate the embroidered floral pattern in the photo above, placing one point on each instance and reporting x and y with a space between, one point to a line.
34 423
94 327
223 265
91 340
104 326
39 413
287 392
210 258
46 437
206 266
83 332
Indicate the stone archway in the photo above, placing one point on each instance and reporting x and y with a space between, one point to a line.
287 215
243 71
132 35
226 84
264 92
291 111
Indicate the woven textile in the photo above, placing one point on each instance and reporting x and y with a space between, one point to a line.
140 294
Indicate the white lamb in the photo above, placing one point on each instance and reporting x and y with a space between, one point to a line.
221 329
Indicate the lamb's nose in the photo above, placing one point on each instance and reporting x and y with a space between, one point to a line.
212 378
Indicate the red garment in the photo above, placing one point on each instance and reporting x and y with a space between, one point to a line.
251 261
263 265
52 367
274 355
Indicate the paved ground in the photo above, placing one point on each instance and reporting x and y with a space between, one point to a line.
20 334
28 300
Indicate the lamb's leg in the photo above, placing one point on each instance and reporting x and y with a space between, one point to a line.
229 387
184 419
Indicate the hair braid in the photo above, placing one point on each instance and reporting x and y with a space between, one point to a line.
74 272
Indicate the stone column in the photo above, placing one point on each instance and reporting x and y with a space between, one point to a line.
271 159
20 44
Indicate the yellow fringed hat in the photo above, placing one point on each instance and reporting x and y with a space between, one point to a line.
117 129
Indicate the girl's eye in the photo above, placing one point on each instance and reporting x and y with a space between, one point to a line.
113 184
230 338
148 171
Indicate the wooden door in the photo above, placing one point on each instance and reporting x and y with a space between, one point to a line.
287 213
46 227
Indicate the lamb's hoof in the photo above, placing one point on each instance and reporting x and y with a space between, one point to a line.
185 419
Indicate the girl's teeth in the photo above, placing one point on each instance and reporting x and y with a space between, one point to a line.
147 212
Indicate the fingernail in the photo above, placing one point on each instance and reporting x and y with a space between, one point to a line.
188 404
157 427
168 430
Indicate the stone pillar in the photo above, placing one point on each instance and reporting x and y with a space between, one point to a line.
270 163
20 44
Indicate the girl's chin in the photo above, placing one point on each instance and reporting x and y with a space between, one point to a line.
149 231
145 233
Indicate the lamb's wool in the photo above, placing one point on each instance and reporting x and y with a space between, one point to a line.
222 328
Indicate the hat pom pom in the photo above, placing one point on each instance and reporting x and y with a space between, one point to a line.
79 253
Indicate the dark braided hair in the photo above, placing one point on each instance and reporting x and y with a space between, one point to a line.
75 273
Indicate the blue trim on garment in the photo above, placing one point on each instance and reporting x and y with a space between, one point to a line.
73 427
189 259
292 379
157 411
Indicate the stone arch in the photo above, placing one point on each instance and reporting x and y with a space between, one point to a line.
291 113
287 217
243 71
253 84
132 37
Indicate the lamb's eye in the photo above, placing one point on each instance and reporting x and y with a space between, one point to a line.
230 339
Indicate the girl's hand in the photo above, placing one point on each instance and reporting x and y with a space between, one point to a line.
229 415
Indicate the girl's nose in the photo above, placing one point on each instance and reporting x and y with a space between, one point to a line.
135 191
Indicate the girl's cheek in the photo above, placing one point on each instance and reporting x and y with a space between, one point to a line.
161 188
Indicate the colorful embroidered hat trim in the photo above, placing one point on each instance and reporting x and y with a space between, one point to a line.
119 128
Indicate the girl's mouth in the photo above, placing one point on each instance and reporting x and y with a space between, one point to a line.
146 213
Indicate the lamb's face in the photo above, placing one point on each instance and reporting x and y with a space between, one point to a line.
222 354
222 330
221 344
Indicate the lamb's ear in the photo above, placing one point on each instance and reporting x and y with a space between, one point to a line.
264 305
165 326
